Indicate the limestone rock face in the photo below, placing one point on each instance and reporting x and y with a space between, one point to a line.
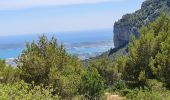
130 23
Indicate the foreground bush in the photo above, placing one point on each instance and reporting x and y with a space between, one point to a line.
92 84
23 91
8 74
45 62
146 94
154 90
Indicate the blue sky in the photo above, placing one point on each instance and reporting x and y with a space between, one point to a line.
41 16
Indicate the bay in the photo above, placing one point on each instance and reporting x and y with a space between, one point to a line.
83 44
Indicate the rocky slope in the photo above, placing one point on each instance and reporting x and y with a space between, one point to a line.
130 23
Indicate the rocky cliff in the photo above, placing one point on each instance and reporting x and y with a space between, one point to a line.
130 23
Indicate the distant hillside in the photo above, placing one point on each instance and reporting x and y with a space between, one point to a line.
130 23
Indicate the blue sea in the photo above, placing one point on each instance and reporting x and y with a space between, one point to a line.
84 44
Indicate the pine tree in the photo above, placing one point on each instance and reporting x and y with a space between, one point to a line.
45 62
145 52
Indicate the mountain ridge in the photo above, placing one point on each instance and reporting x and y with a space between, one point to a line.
130 23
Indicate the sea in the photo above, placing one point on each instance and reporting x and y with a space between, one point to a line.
84 44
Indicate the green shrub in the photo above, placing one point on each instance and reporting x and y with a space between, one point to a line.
23 91
146 94
92 84
8 74
45 62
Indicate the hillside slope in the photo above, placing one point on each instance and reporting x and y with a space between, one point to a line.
130 23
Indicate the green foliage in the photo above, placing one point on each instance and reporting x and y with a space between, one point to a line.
148 55
147 94
107 69
92 84
155 85
161 64
23 91
51 73
120 85
146 67
48 63
155 90
8 74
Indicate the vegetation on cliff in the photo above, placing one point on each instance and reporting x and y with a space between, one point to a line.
146 66
131 23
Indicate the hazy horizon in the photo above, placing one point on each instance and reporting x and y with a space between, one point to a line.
84 44
41 16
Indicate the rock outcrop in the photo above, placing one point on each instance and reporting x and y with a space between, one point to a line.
130 23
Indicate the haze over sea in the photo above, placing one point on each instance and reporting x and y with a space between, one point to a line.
84 44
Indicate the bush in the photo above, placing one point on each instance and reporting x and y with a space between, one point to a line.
45 62
120 85
149 55
8 74
154 91
146 94
92 84
23 91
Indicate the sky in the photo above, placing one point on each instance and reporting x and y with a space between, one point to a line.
18 17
